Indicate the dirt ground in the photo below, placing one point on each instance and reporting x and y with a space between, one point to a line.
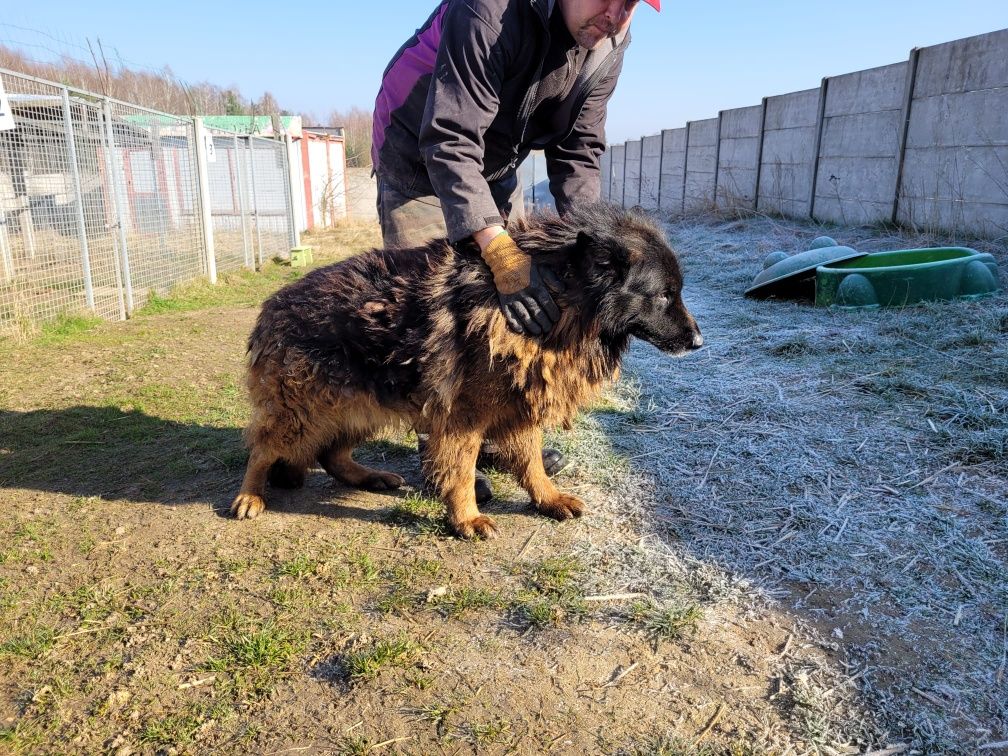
796 543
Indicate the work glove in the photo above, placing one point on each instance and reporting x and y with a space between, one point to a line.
522 290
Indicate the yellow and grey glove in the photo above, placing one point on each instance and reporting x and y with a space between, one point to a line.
522 287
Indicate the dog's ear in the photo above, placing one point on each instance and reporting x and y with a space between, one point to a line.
605 250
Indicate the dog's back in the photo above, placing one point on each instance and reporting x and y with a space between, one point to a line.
353 326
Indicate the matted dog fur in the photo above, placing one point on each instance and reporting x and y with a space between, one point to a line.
415 337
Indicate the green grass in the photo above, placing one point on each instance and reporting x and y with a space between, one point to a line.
173 730
21 737
421 513
666 746
553 574
365 664
485 734
397 601
406 581
31 645
353 745
666 622
265 647
300 566
66 328
289 598
362 569
467 599
244 288
254 652
415 571
552 594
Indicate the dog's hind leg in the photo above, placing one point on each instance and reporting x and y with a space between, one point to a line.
450 463
337 462
249 502
521 450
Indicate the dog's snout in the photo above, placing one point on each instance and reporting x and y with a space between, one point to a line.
697 340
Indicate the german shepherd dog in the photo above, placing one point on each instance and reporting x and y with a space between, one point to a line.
415 336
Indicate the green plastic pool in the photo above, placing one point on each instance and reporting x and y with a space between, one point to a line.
907 276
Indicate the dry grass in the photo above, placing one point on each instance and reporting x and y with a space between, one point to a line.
850 466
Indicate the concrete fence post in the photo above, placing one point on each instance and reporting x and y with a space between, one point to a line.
759 153
717 156
685 166
820 118
203 193
904 127
640 171
661 166
79 194
623 182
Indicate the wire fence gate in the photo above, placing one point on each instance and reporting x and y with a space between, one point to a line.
104 203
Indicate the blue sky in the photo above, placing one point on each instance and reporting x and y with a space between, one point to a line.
686 63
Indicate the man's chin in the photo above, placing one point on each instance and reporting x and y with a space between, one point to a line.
589 39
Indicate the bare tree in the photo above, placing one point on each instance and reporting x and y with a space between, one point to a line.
356 125
160 90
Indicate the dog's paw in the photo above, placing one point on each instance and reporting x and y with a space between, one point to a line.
382 481
563 507
246 506
481 526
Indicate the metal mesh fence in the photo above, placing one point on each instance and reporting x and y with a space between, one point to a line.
227 175
269 186
56 250
155 192
250 201
100 204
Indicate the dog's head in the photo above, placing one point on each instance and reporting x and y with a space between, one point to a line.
629 278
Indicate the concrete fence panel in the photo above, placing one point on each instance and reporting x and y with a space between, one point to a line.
738 157
673 169
632 174
701 165
955 173
789 139
650 181
923 142
859 150
618 164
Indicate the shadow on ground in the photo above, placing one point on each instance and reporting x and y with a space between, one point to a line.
107 452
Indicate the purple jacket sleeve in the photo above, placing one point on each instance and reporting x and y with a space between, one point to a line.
573 164
463 101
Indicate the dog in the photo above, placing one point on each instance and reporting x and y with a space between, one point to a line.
416 337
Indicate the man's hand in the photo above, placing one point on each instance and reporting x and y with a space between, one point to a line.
522 287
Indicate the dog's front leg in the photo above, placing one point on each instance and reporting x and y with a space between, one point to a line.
450 464
521 449
250 501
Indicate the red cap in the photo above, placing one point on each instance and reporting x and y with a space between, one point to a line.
656 4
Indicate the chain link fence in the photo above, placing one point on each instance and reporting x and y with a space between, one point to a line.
101 204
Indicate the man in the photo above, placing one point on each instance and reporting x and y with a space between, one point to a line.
464 101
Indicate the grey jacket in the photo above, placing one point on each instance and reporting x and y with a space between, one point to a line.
460 134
